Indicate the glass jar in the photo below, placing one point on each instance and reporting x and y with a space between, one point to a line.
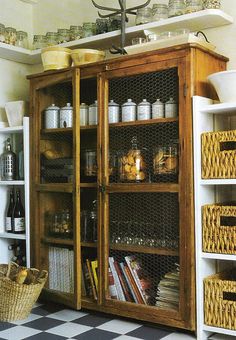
193 6
159 12
88 220
2 33
129 111
10 35
171 108
157 109
132 166
93 113
39 41
63 35
76 32
143 16
144 110
176 7
101 26
89 29
114 23
83 114
113 112
89 163
21 39
165 159
168 34
51 38
212 4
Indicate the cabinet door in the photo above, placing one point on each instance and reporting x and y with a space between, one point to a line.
148 233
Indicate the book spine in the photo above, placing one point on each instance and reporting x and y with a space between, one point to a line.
91 279
112 288
138 295
120 292
122 266
88 286
94 266
123 282
135 276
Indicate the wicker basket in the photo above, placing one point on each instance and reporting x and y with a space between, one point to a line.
17 300
220 300
219 228
219 154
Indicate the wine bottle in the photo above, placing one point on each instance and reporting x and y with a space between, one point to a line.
18 216
9 215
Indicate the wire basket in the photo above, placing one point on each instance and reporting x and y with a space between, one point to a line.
220 300
219 154
17 300
219 228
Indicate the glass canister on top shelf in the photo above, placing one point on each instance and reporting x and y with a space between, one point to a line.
159 12
63 35
39 41
114 23
101 26
212 4
10 35
21 39
144 15
51 38
176 8
76 32
193 6
89 29
2 33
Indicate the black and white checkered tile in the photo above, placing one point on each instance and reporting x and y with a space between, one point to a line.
55 322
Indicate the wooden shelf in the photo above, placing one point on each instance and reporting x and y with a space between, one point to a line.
59 241
143 187
144 122
144 250
89 244
55 187
60 131
208 18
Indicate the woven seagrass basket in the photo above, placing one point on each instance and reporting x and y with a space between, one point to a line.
219 154
219 228
17 300
220 300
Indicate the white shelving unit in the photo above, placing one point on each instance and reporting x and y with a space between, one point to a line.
209 117
208 18
17 135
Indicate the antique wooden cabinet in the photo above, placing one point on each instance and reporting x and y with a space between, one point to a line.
114 240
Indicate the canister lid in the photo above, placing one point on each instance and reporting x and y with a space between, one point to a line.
67 107
129 103
144 103
112 103
52 107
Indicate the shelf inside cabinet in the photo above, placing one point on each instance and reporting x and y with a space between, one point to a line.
13 236
143 187
55 187
144 122
56 131
144 250
59 241
89 244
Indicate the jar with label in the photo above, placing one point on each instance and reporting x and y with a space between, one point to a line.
113 112
129 111
144 110
21 39
76 32
193 6
83 114
66 116
39 41
158 109
171 108
159 12
89 163
165 159
89 29
212 4
51 38
63 35
143 15
93 113
176 8
10 35
2 33
51 117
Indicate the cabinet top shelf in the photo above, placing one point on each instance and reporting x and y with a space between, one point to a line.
221 108
208 18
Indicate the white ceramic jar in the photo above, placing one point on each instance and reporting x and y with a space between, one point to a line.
66 116
171 108
129 111
144 110
51 117
158 109
113 112
93 113
83 114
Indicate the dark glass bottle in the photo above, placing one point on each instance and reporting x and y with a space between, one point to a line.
9 215
18 216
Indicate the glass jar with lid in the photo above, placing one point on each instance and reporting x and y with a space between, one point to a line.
165 159
76 32
114 23
2 33
39 41
10 35
51 38
176 7
89 29
21 39
159 11
193 6
89 163
212 4
144 15
63 35
101 25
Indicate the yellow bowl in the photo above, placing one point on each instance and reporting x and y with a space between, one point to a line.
55 58
84 55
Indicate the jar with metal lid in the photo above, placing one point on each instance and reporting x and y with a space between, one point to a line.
176 7
113 112
10 35
212 4
101 26
63 35
114 23
171 108
93 113
129 111
66 116
83 114
89 29
51 117
39 41
165 159
158 109
143 16
159 12
21 39
2 33
76 32
51 38
144 110
193 6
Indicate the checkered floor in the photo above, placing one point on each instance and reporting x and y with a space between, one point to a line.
54 322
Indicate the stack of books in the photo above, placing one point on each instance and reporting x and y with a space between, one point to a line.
89 276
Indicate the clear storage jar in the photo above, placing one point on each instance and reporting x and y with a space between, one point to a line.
193 6
114 23
21 39
39 41
10 35
51 38
165 159
76 32
101 26
144 15
63 35
89 163
212 4
176 8
2 33
89 29
159 12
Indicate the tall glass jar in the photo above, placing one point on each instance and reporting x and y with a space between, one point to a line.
51 38
176 7
193 6
114 23
10 37
21 39
2 33
212 4
143 16
76 32
159 11
101 26
165 159
39 41
89 29
63 35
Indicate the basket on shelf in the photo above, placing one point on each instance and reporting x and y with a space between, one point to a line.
220 300
219 228
219 154
17 300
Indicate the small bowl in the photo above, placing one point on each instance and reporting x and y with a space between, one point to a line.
225 85
55 58
138 40
84 56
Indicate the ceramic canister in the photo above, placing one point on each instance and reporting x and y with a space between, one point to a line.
51 117
66 116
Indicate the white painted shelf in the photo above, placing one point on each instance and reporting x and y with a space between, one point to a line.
208 18
10 183
217 182
13 236
221 109
223 257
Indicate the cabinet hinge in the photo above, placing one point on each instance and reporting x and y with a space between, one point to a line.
185 89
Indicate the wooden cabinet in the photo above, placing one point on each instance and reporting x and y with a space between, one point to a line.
150 220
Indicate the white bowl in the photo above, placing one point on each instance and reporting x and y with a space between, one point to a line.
225 85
